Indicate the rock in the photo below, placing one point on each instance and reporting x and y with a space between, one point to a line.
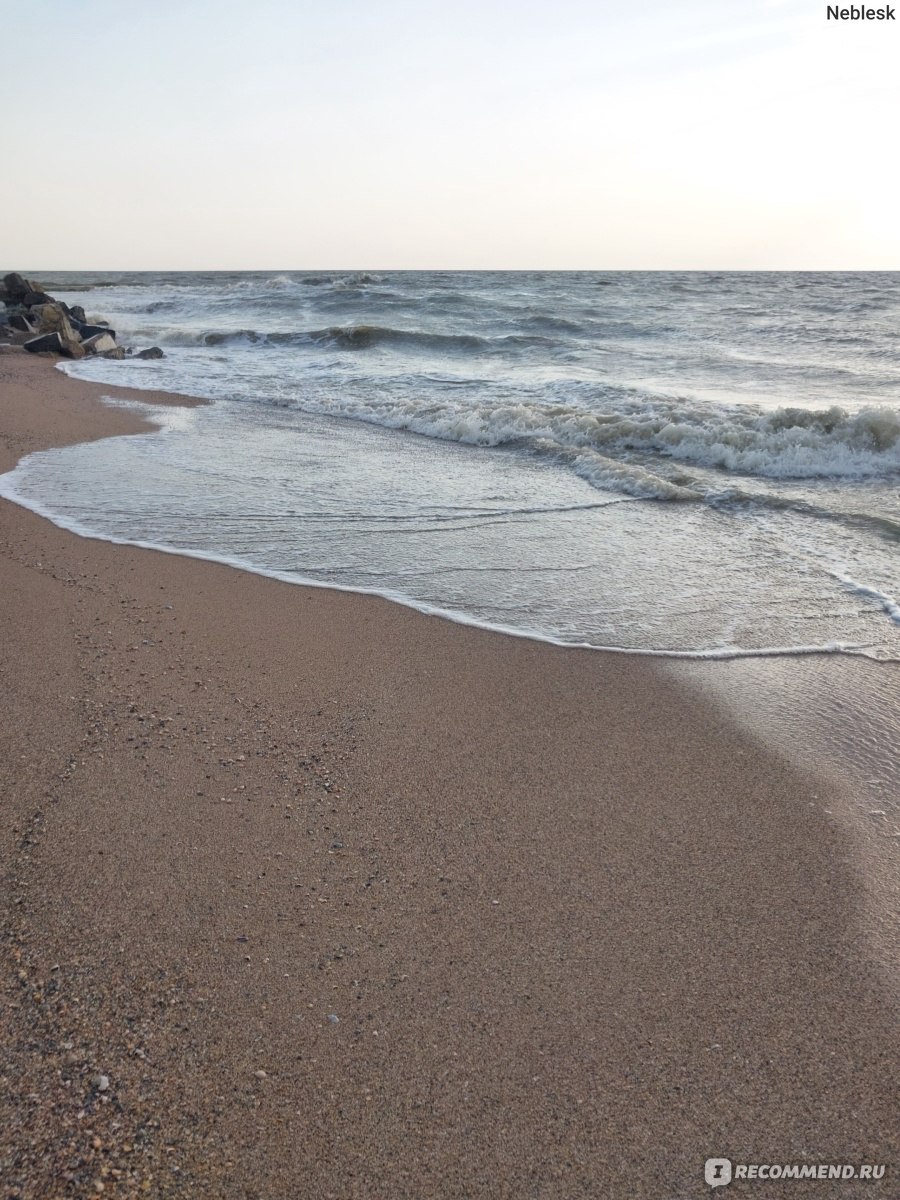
32 298
101 1083
152 352
20 322
77 312
118 353
55 343
100 343
72 348
92 328
54 320
16 286
51 342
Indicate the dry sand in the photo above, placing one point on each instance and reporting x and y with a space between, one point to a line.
305 894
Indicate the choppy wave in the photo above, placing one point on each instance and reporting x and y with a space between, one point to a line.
55 285
341 337
788 443
534 388
642 446
364 337
288 281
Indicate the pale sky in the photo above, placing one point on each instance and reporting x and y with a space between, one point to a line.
587 134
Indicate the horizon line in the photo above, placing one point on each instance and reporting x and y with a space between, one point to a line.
459 270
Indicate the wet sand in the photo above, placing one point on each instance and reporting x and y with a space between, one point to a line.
306 894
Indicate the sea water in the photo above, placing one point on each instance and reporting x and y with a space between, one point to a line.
674 463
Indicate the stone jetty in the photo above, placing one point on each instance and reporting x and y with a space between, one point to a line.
44 325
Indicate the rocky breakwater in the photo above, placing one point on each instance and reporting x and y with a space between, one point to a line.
44 325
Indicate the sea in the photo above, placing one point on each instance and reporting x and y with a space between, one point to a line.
690 464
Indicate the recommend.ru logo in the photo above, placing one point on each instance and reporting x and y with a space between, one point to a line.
719 1171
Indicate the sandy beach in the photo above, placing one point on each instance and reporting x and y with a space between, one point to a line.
306 894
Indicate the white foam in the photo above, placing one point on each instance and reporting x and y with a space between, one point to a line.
784 444
886 602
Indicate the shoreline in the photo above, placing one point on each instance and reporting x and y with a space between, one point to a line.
150 397
240 808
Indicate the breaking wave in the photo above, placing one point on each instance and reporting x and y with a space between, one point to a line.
340 337
648 447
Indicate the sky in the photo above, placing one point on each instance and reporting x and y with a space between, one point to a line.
417 134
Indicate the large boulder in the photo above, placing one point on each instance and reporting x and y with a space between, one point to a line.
100 343
45 342
150 352
92 328
54 320
31 298
20 322
16 286
118 353
55 343
77 312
